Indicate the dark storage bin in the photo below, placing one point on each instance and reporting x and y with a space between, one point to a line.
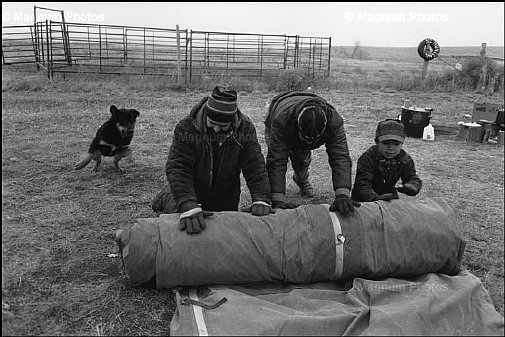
415 120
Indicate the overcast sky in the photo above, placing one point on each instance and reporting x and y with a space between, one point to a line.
394 24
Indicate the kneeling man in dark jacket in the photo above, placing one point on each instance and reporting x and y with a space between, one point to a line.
210 148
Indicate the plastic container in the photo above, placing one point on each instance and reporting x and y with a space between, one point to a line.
429 133
500 137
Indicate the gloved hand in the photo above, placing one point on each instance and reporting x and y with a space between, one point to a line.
388 196
343 204
193 220
259 208
408 189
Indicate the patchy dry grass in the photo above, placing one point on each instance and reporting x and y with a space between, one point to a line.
58 276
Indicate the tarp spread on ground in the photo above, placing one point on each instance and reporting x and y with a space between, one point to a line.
400 238
431 304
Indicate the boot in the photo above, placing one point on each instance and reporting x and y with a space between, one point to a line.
305 187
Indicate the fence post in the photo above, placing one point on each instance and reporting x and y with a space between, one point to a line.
190 54
100 46
36 40
286 46
207 50
314 59
320 53
233 49
66 40
427 49
425 72
178 54
50 56
310 52
47 46
186 56
125 45
483 74
227 52
107 43
42 43
261 56
144 52
296 52
329 56
89 44
34 49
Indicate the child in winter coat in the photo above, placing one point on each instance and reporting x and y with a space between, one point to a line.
382 165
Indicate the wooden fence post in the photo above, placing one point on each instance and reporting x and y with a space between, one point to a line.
425 72
483 74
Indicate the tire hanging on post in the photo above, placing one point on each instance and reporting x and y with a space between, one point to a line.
428 49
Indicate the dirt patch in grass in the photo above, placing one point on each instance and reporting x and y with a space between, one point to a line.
59 276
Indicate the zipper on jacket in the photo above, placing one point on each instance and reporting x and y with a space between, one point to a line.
211 162
221 161
232 136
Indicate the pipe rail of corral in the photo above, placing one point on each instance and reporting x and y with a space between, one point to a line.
18 40
112 49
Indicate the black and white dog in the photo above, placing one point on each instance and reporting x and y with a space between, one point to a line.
112 138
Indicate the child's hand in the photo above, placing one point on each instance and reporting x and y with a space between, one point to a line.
408 189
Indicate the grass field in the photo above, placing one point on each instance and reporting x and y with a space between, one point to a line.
59 272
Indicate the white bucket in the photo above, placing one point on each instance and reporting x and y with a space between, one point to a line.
429 133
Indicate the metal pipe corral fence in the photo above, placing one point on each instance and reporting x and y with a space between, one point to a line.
65 47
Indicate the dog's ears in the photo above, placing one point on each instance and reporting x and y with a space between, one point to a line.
113 109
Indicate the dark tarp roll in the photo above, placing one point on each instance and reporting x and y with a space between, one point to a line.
400 238
236 247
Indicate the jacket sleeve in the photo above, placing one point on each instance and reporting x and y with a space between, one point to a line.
277 158
252 164
363 183
410 176
179 168
338 156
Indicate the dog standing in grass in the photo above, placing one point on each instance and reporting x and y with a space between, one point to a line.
112 138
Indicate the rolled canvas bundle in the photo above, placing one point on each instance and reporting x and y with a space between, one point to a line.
400 238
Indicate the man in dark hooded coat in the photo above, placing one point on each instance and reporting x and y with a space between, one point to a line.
297 123
211 147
